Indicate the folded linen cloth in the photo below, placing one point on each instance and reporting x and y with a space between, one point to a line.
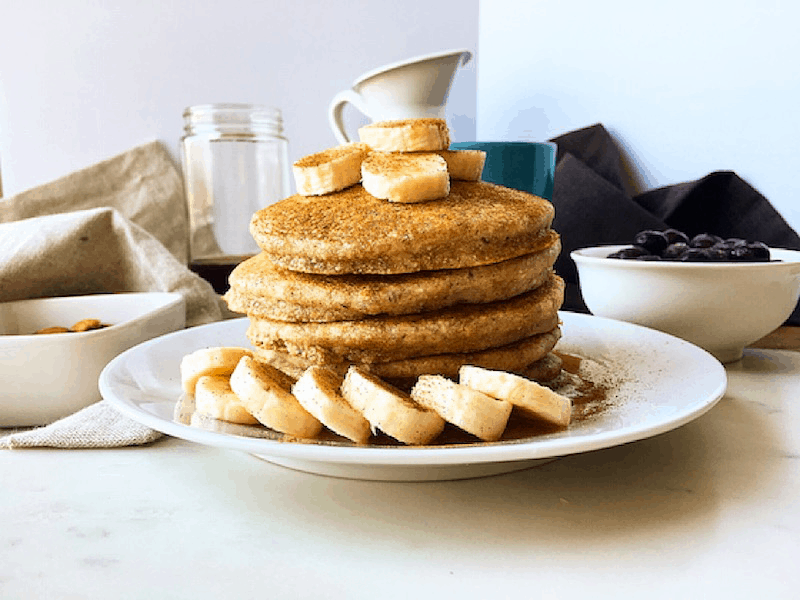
99 425
143 184
95 251
595 204
119 226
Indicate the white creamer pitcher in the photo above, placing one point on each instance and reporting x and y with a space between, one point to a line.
413 88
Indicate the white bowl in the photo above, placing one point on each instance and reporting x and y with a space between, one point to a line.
720 306
48 376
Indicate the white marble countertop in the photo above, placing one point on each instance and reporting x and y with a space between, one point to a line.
710 510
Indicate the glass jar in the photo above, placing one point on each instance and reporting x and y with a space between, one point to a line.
235 162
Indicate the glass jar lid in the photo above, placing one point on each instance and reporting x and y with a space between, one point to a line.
232 119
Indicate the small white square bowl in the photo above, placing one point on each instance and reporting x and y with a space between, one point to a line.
48 376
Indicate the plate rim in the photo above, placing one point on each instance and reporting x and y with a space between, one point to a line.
533 448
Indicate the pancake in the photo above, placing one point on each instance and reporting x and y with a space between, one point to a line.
259 288
515 357
524 357
545 369
461 328
542 371
350 231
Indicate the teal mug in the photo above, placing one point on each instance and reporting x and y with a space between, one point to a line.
526 166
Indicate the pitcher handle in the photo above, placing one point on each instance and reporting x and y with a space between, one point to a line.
336 109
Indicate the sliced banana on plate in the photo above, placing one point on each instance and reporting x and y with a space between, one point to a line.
209 361
318 390
266 394
390 409
468 409
528 396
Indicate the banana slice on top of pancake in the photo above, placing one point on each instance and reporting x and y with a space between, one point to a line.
464 165
330 170
405 177
406 135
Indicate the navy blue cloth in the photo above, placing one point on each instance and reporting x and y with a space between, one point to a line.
595 205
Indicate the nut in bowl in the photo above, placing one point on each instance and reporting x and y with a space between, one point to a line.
720 306
53 349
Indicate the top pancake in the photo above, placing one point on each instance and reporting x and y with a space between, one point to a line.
350 231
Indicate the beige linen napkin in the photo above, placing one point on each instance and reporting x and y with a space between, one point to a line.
142 183
99 425
118 226
94 251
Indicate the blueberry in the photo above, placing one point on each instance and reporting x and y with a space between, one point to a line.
629 252
653 241
717 253
724 248
696 255
675 250
750 252
741 253
704 240
674 236
760 250
735 242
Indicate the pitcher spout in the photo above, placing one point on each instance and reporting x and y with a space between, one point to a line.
413 88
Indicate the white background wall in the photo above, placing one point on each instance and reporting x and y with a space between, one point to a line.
686 86
83 80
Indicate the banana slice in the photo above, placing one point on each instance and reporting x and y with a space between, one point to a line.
209 361
464 165
213 397
330 170
318 391
389 409
471 410
406 135
531 398
404 177
266 394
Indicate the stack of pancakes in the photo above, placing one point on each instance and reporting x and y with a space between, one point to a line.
404 289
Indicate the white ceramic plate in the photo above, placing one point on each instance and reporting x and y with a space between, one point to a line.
665 382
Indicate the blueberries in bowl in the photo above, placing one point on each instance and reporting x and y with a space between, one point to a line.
674 245
655 242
